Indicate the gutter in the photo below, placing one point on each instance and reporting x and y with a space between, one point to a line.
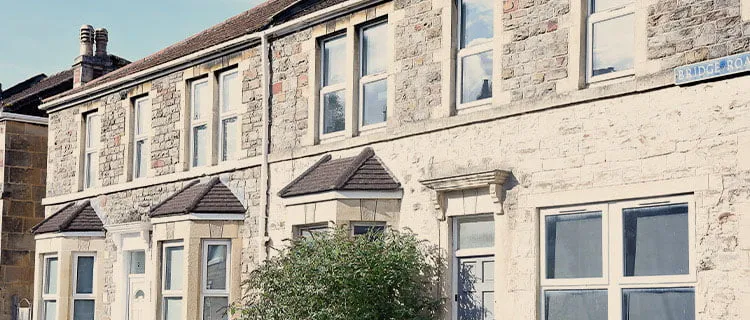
10 116
264 167
205 54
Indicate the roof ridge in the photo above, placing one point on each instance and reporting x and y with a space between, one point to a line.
34 228
208 186
358 161
185 187
66 223
317 164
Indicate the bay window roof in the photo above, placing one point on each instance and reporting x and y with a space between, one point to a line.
212 196
364 172
71 218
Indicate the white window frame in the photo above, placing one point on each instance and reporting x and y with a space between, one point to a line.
141 137
166 294
204 120
49 296
613 281
211 293
330 88
367 79
298 229
91 148
459 254
82 296
366 224
232 112
462 53
591 19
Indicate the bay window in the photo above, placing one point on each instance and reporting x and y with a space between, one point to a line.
230 101
215 285
50 279
333 84
611 39
172 281
141 130
621 260
200 113
373 82
83 287
92 140
475 56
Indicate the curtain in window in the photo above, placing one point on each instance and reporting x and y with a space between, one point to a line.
659 304
574 245
655 240
575 304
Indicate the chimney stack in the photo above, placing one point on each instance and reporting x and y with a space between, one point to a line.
87 40
101 37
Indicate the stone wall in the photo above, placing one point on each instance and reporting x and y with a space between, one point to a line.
289 90
166 123
683 32
24 172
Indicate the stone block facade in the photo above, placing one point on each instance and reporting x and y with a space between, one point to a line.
24 163
632 138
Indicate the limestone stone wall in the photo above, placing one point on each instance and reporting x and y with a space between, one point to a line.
24 159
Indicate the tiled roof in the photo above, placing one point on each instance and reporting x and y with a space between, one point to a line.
31 96
247 22
363 172
302 8
71 218
209 197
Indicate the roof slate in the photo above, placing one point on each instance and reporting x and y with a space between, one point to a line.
363 172
71 218
31 96
212 196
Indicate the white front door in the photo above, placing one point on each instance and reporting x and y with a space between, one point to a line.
476 293
137 297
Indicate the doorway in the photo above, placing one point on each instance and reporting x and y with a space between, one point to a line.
137 301
474 267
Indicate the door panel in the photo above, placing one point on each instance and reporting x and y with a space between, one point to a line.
476 296
136 298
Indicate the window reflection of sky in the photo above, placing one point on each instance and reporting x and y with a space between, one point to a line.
613 45
476 70
476 22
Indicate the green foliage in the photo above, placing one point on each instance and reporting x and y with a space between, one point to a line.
334 276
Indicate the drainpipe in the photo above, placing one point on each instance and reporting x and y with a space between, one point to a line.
264 167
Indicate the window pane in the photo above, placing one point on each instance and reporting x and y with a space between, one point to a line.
476 22
365 229
575 304
215 308
602 5
231 93
137 262
200 146
574 245
50 310
92 163
229 139
85 275
613 45
658 304
201 100
173 309
140 164
216 267
375 101
83 310
374 45
173 268
309 232
50 281
478 232
93 130
476 75
142 117
333 112
655 240
334 56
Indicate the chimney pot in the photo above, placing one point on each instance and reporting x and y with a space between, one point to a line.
87 37
101 37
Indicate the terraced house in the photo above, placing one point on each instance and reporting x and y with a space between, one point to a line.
572 159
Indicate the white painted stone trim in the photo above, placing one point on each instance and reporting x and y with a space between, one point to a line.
493 179
745 7
336 195
199 217
95 234
10 116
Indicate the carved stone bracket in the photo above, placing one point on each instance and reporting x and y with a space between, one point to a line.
494 180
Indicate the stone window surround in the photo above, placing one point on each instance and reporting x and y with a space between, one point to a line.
611 281
131 133
82 119
578 49
350 27
211 72
128 139
745 8
81 296
192 232
461 53
66 246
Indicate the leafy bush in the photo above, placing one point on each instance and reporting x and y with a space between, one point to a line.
334 276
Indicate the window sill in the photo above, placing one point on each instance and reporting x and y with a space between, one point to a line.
474 106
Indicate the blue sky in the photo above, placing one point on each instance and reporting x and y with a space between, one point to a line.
41 36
